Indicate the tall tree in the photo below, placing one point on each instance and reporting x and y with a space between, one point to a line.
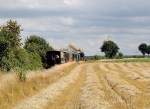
10 33
12 56
143 48
110 49
10 41
37 45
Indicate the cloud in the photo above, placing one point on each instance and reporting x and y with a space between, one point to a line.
86 23
72 2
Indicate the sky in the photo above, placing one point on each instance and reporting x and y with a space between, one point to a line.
84 23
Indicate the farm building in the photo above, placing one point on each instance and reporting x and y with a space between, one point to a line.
71 53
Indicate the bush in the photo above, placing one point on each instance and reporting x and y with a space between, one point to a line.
8 61
37 44
20 59
35 61
119 55
12 56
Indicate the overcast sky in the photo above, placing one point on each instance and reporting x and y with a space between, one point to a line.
84 23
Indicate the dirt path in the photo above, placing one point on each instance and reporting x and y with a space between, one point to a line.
41 99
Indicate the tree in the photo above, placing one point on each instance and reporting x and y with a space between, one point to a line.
148 50
12 55
143 48
10 40
120 55
110 49
10 33
37 45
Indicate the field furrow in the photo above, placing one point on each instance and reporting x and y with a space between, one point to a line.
12 90
93 95
110 95
95 85
40 100
70 97
132 91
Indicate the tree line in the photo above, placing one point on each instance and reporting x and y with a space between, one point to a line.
111 49
18 56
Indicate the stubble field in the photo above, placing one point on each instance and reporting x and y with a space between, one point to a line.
96 85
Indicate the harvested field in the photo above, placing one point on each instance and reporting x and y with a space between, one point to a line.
96 85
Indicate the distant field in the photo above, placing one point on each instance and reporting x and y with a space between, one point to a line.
113 84
122 60
128 60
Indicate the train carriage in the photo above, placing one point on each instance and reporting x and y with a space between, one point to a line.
63 56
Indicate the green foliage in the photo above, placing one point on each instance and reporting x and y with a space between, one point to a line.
110 49
27 61
20 59
133 56
37 45
148 50
21 74
35 61
143 48
12 56
3 49
9 42
119 55
10 33
8 61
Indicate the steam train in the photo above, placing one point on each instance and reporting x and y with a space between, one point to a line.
60 57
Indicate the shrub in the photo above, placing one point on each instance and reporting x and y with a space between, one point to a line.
20 59
35 61
27 60
8 61
119 55
12 56
36 44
